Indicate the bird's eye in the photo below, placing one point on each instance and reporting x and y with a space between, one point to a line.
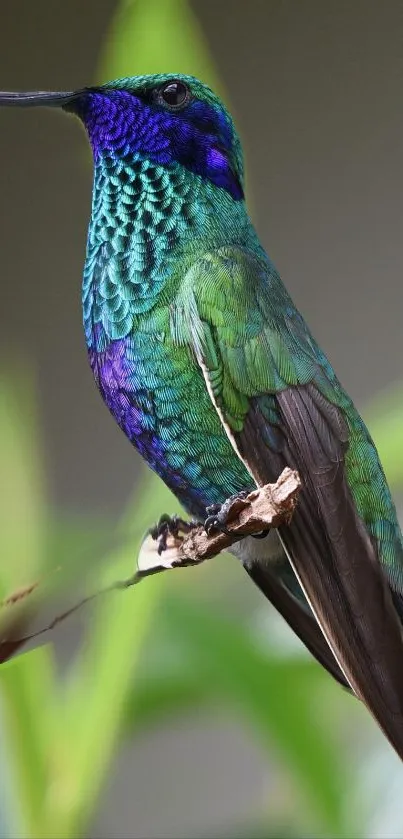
174 95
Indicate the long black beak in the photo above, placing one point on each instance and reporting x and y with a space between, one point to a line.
52 99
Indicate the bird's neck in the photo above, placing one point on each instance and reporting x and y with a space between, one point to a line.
149 223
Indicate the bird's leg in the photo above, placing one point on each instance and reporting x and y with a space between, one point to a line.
170 526
217 514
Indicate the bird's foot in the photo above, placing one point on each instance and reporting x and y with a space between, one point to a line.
170 526
217 514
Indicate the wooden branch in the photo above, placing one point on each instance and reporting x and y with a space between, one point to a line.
264 508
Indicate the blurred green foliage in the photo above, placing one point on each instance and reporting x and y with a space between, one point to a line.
60 731
160 36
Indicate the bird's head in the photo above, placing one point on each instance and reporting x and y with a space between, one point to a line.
168 119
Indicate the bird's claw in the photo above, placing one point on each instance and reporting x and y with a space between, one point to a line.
169 526
217 514
213 524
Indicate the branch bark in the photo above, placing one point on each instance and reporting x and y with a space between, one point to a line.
264 508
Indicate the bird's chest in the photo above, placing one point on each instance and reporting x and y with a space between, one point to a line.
156 393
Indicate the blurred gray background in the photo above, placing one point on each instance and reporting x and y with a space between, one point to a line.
317 92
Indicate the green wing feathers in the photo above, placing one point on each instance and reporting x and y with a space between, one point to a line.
281 404
252 344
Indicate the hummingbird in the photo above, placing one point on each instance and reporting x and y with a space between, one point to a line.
212 373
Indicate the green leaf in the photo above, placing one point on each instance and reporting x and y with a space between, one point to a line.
157 36
22 509
27 691
155 699
274 694
26 683
102 673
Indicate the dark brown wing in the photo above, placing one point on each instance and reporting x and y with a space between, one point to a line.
331 551
267 379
